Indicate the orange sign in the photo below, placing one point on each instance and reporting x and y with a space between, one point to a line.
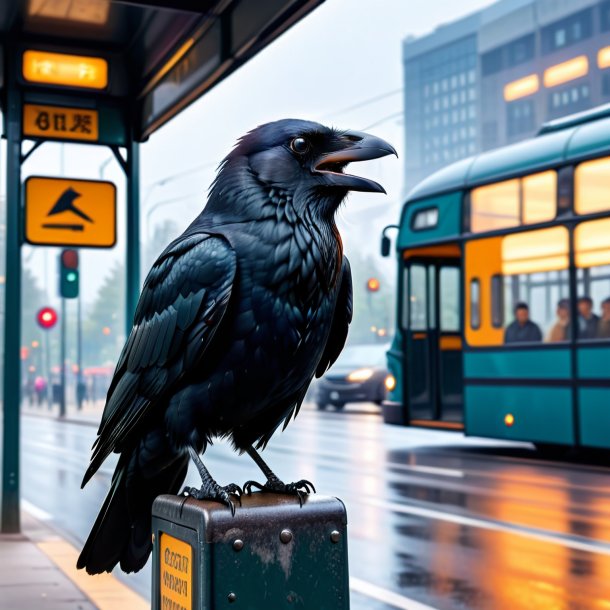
70 212
63 69
176 573
60 123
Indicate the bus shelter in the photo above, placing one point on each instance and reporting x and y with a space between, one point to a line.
106 73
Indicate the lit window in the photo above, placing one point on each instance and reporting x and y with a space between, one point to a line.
495 206
603 58
539 197
592 186
566 71
535 251
521 88
591 243
425 219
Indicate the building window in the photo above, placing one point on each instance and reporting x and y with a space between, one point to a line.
489 135
569 100
568 31
508 55
605 16
520 117
606 84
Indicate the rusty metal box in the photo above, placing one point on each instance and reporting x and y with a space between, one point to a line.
272 555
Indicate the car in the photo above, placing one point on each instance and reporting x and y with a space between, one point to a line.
358 375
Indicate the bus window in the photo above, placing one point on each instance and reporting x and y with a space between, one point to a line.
528 200
495 206
497 301
417 298
535 270
592 253
405 299
475 303
539 197
449 287
592 186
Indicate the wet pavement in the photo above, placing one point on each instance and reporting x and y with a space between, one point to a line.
436 520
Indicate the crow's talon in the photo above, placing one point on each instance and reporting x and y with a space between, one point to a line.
218 494
301 488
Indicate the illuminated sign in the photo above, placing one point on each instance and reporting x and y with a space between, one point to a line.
60 123
65 212
176 572
566 71
521 88
67 70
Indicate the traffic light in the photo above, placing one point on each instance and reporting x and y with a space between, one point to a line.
46 318
372 284
68 274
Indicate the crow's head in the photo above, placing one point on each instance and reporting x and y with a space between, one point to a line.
305 161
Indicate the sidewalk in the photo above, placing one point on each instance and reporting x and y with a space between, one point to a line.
39 572
89 414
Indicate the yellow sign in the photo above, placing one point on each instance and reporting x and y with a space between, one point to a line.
64 212
58 122
176 573
62 69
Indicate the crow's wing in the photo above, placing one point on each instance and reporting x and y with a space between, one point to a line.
341 321
183 301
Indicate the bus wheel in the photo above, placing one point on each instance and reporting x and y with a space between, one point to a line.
321 406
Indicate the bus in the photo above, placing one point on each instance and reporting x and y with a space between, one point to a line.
503 292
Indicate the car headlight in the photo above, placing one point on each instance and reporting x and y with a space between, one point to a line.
390 382
360 375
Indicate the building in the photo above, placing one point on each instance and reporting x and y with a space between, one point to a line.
494 77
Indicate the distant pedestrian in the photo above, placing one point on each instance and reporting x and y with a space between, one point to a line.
522 330
40 387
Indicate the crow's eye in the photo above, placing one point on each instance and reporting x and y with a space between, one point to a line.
300 145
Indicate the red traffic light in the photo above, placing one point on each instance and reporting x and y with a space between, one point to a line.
69 259
372 285
46 317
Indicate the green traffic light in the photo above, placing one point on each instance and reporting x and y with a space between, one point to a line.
71 276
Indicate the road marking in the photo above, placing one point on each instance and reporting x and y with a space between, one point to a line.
104 590
498 526
35 511
384 595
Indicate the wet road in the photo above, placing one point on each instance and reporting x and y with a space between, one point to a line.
435 520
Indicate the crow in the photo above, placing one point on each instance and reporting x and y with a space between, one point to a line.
235 318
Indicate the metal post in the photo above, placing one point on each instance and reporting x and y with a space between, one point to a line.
132 274
12 311
79 353
62 360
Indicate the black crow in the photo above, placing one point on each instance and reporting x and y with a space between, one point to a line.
236 317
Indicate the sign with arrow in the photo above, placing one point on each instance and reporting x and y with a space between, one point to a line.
70 212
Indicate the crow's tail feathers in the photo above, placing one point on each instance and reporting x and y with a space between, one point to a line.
122 530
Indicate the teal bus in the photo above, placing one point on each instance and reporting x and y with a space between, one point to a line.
503 292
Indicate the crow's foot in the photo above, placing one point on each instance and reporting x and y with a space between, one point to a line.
300 489
217 493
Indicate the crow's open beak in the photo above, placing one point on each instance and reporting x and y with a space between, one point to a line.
358 146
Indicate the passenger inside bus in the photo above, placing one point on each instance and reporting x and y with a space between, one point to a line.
522 329
603 330
560 331
588 322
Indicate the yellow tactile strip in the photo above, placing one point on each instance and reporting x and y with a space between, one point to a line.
104 590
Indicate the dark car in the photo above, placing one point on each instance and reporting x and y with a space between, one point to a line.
359 375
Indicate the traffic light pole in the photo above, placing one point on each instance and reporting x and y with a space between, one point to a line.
62 360
12 309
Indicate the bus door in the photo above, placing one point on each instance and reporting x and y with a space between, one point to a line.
434 344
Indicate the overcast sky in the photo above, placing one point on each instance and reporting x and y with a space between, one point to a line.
344 53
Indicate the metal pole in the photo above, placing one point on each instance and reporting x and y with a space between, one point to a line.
12 309
132 274
62 361
79 353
